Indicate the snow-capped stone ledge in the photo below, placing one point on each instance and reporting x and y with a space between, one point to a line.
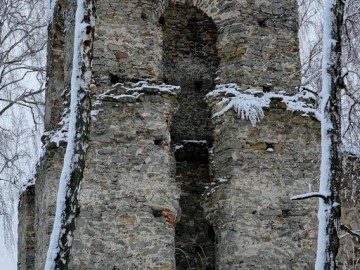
249 104
133 92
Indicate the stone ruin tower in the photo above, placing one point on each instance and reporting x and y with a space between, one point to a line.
166 185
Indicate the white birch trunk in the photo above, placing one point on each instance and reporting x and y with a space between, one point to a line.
331 162
74 160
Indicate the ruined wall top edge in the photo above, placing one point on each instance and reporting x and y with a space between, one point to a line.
257 41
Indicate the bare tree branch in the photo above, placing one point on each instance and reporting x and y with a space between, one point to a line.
352 233
309 196
22 60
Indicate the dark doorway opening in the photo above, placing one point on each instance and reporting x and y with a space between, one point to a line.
191 61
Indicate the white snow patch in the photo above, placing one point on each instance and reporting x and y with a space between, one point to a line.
222 180
178 146
94 114
195 141
213 186
249 104
59 136
133 91
335 204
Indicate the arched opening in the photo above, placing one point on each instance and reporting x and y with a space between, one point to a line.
190 60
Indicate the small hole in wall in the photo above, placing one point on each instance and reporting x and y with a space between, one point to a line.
269 147
198 85
285 213
162 20
114 78
267 88
211 232
144 16
262 23
77 212
157 213
158 140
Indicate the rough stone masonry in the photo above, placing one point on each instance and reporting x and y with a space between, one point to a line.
166 186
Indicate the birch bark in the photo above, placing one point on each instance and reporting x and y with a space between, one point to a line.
331 163
74 161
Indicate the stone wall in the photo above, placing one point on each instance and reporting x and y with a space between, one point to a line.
189 47
127 40
26 230
257 40
59 62
132 185
128 199
46 189
257 170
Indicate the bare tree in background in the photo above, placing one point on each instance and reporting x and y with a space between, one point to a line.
310 36
22 43
311 28
350 132
351 75
22 75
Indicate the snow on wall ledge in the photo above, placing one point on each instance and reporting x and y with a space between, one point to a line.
249 104
127 92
